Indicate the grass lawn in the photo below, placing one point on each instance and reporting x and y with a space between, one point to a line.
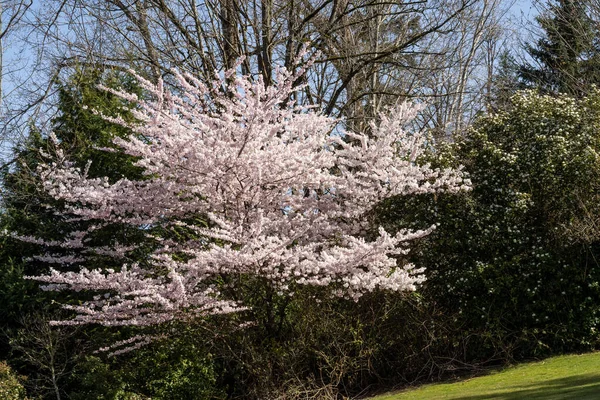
564 377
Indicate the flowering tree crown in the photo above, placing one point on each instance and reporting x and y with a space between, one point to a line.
281 195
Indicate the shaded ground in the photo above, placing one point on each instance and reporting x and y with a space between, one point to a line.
565 377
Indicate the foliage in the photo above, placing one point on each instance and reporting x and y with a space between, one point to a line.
35 349
514 261
182 367
10 388
25 209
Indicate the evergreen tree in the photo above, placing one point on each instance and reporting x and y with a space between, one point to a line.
505 83
81 131
566 59
24 205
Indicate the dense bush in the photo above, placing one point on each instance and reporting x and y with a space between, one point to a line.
515 261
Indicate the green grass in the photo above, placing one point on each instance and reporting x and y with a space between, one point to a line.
565 377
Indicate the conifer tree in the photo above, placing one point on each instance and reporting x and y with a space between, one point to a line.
24 206
25 211
566 59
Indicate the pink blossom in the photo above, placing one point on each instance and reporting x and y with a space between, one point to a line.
281 197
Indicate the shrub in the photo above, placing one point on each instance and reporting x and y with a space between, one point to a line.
10 388
515 261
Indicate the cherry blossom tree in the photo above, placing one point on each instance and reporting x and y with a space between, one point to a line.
239 181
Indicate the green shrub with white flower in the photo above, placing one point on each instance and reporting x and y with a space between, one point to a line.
516 261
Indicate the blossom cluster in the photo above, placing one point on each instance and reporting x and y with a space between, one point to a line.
281 191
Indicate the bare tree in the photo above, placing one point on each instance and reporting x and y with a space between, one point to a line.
372 52
49 350
11 15
462 65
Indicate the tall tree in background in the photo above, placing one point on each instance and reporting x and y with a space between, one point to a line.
45 354
24 204
566 59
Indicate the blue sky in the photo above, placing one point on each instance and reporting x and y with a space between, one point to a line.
525 8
